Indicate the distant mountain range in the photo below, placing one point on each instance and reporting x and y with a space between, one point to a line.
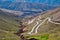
28 8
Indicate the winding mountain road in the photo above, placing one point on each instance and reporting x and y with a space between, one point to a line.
35 28
50 20
31 21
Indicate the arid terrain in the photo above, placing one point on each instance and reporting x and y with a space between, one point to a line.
29 20
47 23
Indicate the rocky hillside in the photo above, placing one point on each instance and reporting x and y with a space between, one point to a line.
43 26
47 23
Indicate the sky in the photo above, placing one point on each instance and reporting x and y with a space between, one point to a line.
50 2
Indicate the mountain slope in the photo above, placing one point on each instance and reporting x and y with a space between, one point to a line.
6 20
8 26
48 24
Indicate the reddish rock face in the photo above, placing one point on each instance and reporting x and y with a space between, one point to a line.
19 33
21 30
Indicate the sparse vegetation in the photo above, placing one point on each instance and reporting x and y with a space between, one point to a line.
47 31
8 24
52 29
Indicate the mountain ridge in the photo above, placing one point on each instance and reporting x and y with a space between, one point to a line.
26 7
